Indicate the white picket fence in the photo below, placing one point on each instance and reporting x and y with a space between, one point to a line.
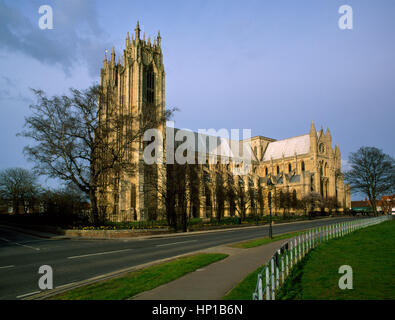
291 252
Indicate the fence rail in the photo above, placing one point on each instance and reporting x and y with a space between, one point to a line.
275 272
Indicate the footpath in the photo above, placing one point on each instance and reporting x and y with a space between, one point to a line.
215 280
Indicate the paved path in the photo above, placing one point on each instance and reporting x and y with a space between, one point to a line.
217 279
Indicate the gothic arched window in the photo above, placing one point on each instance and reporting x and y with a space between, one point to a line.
150 85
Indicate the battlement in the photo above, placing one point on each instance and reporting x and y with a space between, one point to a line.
136 40
137 49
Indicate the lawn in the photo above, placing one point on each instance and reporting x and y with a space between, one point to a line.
141 280
370 253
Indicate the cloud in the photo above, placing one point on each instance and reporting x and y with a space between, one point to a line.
76 39
9 90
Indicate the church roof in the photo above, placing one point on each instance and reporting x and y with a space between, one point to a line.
218 146
287 147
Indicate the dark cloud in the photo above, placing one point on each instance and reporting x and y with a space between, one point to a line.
76 39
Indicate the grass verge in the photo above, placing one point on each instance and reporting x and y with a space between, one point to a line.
370 254
141 280
261 241
244 289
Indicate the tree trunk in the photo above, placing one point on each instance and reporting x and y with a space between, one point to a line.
372 201
94 209
15 203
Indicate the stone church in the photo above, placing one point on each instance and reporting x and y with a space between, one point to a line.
299 165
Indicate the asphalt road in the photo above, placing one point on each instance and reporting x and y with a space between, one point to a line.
21 255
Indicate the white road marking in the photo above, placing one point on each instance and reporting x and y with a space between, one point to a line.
7 267
169 244
27 294
22 245
97 254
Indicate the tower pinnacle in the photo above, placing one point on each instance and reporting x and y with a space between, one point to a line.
159 38
137 30
312 129
113 55
127 40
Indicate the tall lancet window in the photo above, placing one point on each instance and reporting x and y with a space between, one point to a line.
150 85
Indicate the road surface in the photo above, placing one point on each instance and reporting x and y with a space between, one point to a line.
21 255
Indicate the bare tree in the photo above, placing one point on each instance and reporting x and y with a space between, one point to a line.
283 200
176 188
85 139
387 203
64 206
220 195
311 201
240 196
372 173
19 186
331 204
260 199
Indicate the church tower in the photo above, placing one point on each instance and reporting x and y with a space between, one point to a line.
137 84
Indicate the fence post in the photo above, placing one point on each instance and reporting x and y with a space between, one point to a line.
272 276
300 248
290 252
307 242
267 290
282 269
286 261
338 230
277 271
314 235
321 235
260 294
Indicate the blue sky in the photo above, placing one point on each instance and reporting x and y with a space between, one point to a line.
269 66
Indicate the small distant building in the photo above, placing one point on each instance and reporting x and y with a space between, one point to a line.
385 205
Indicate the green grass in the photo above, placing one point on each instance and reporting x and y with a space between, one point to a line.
141 280
261 241
370 253
244 290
